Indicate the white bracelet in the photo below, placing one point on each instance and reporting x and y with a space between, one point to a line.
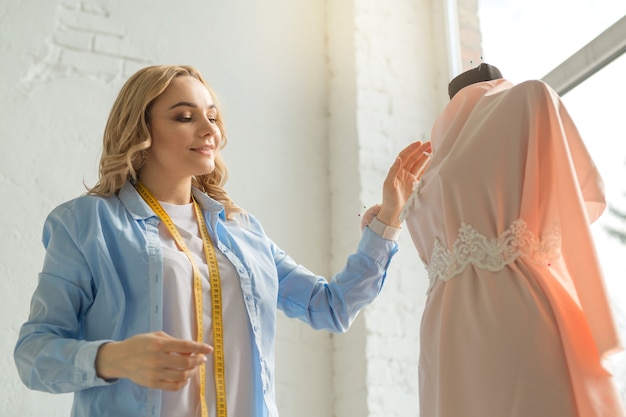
385 231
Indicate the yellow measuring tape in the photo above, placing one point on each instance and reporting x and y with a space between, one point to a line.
216 298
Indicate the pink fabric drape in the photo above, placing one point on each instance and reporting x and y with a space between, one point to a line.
518 321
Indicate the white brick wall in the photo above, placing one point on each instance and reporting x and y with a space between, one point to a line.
318 98
383 95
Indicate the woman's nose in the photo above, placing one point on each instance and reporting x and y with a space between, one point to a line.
209 127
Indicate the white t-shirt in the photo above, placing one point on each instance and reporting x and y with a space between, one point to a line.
179 320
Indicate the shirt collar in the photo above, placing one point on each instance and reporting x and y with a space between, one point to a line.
140 210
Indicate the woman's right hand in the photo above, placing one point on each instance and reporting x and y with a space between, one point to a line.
407 169
154 360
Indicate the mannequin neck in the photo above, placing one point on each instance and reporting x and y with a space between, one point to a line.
483 72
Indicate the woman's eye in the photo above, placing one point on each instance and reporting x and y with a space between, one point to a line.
184 119
212 119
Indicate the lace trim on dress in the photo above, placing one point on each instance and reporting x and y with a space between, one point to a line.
493 254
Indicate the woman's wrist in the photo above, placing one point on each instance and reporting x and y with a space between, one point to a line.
390 218
102 360
384 230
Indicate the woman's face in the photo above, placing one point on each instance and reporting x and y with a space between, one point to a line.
185 136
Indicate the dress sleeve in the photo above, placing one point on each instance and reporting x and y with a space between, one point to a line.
563 189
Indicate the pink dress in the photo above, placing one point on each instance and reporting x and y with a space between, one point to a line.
517 321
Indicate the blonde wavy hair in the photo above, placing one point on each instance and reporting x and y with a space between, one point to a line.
127 135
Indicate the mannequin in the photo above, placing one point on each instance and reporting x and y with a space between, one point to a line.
516 321
483 72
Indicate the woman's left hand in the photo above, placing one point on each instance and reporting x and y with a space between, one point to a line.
406 170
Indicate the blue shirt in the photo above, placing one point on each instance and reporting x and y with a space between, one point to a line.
102 280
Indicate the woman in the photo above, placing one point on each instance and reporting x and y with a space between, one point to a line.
124 315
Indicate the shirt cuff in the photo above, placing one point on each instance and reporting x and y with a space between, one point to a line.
383 230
